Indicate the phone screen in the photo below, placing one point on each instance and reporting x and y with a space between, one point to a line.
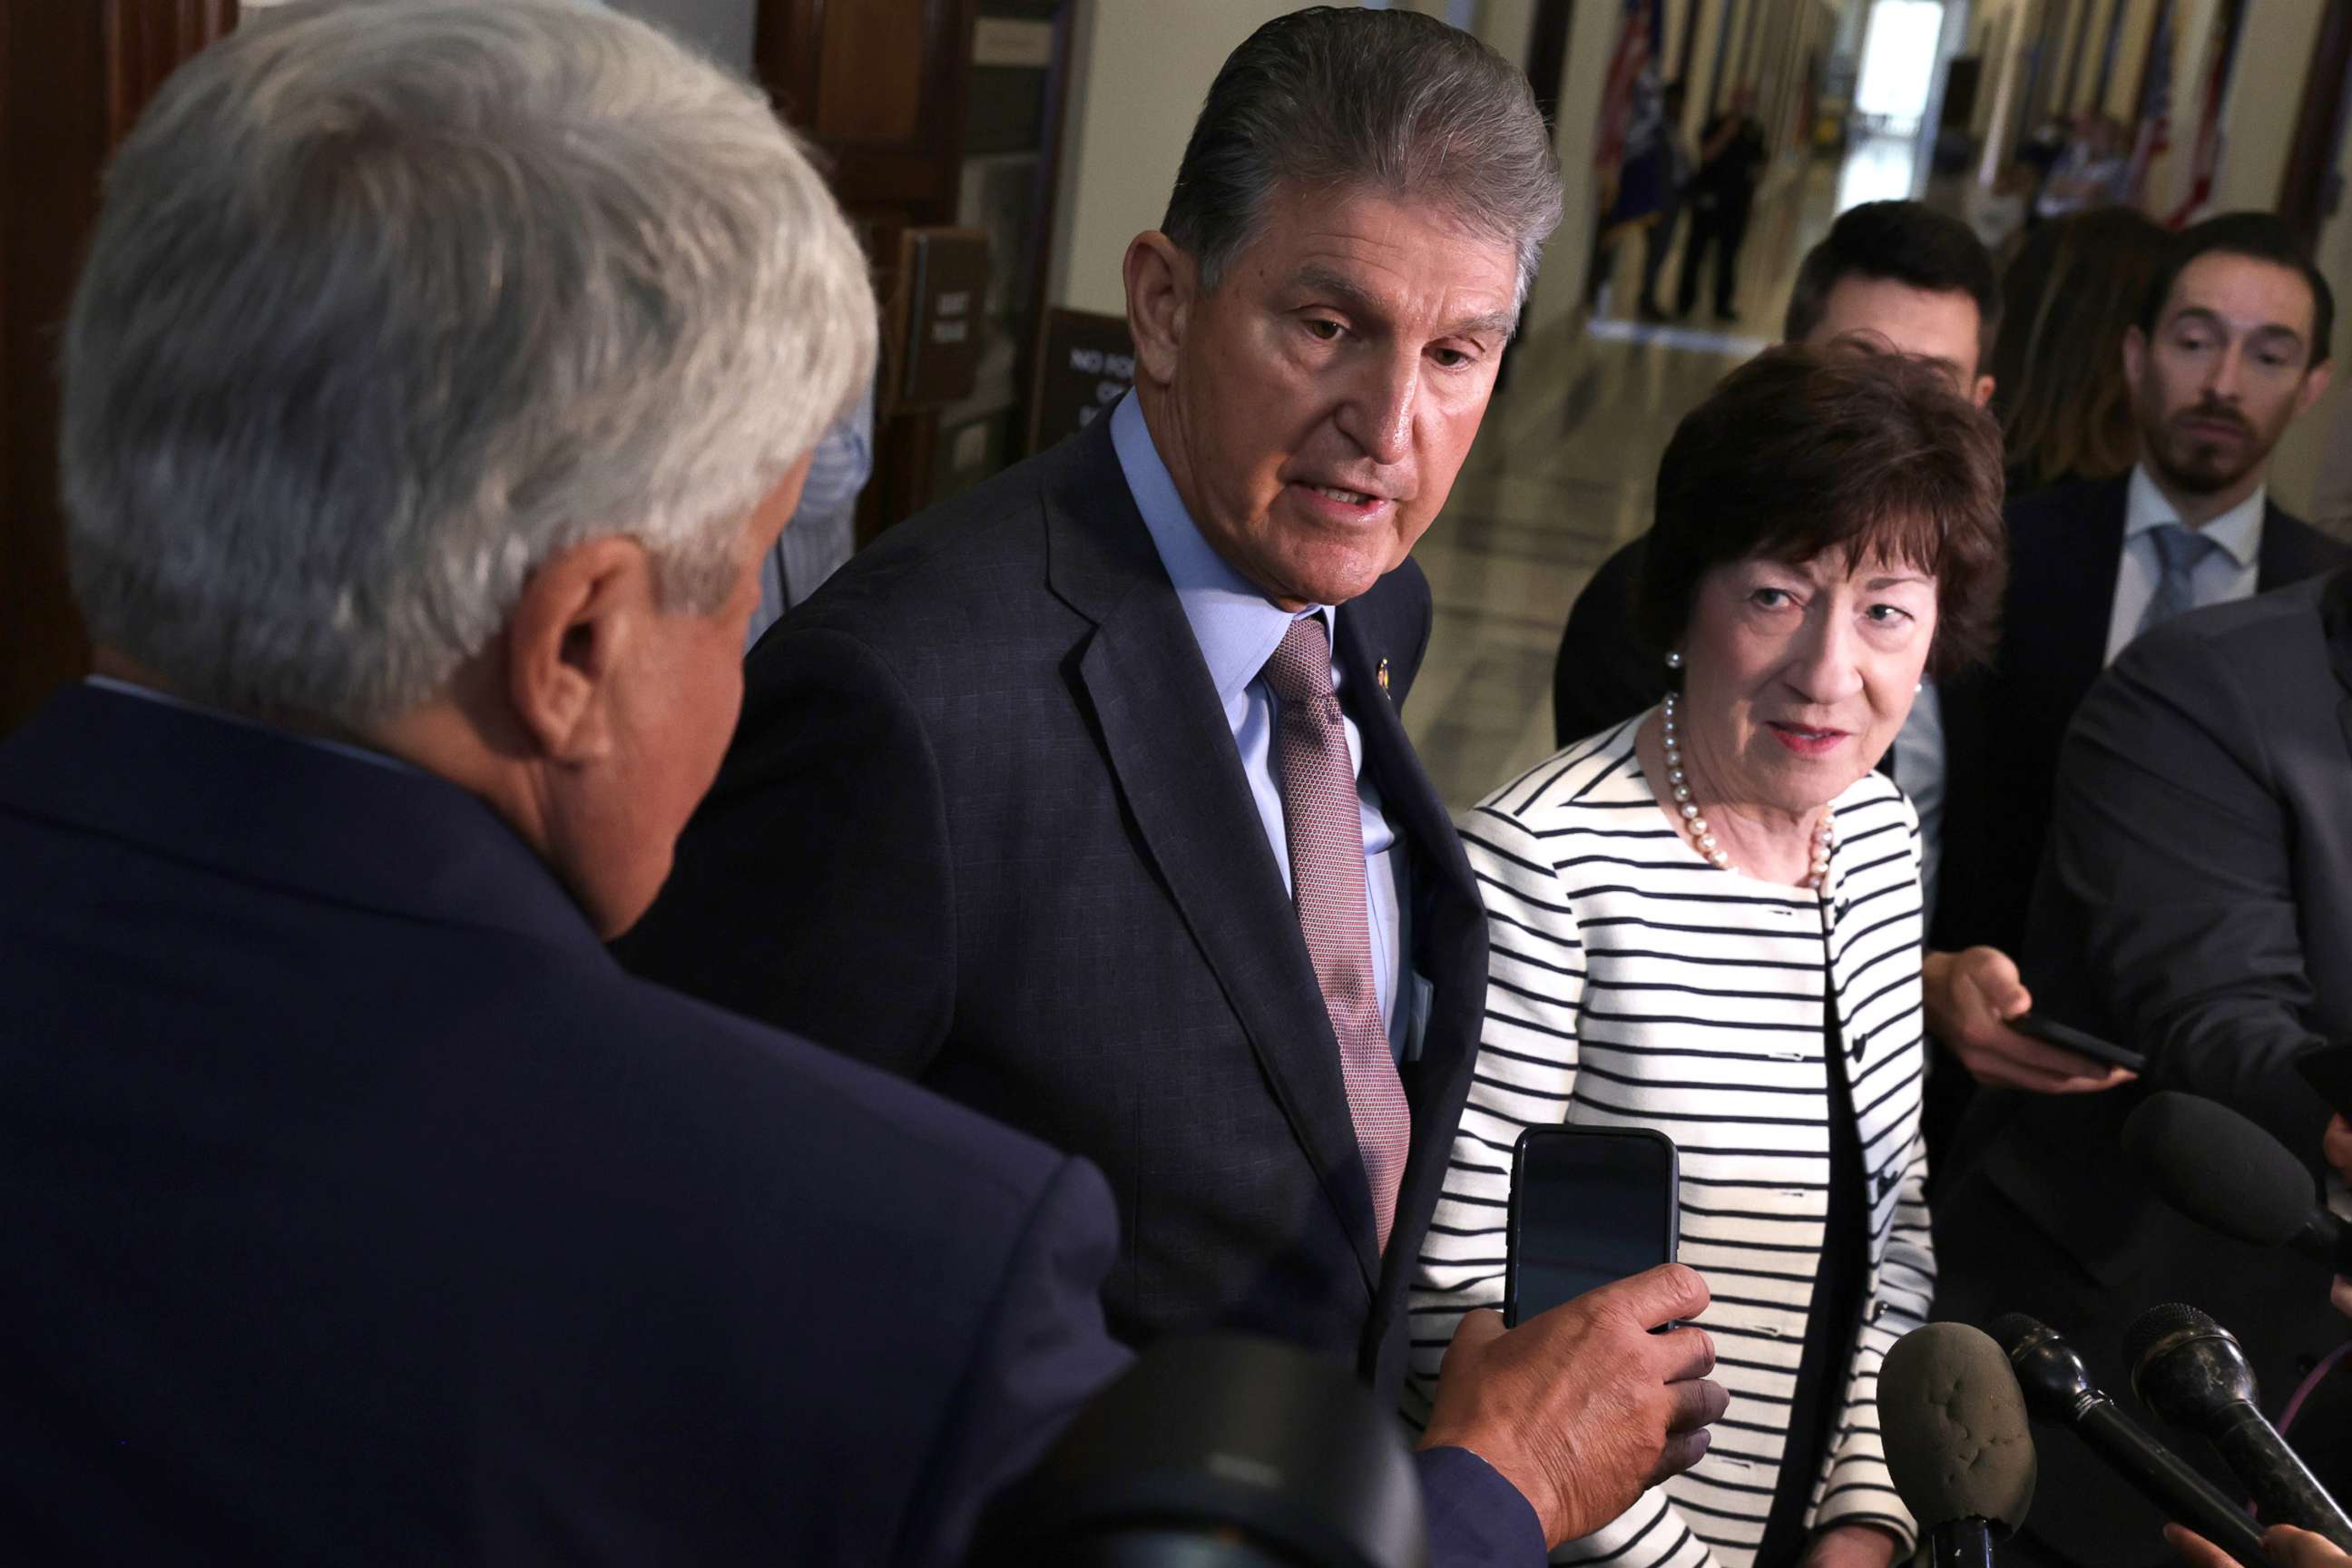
1589 1206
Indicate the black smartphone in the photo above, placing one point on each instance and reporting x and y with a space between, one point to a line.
1589 1206
2050 1032
2327 1065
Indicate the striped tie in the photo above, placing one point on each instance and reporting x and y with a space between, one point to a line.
1322 821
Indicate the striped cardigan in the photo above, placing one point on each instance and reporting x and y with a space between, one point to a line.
1631 984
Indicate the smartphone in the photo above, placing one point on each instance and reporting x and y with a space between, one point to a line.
2327 1065
1589 1206
2050 1032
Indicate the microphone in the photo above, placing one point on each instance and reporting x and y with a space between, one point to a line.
2229 1174
1953 1423
2058 1388
2192 1371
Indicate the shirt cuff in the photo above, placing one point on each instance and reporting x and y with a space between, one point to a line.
1475 1517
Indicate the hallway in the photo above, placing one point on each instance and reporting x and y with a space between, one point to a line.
1562 474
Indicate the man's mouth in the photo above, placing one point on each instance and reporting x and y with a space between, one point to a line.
1349 498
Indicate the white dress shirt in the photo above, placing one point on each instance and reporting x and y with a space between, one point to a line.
2223 577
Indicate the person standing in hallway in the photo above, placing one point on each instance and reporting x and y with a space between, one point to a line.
1085 798
1732 154
2234 345
1706 921
2231 348
1659 238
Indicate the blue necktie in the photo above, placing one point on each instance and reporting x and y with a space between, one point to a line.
2179 552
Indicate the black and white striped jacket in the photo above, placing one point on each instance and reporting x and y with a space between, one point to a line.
1631 984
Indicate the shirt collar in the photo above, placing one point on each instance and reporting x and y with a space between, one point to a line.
2239 530
1237 626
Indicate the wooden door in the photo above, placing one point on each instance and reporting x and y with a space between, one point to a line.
74 74
879 86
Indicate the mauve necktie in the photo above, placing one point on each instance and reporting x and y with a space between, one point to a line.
2178 551
1324 824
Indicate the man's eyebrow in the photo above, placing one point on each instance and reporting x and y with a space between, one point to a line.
2206 317
1316 279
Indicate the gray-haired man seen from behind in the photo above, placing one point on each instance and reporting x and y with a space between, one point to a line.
439 374
1083 799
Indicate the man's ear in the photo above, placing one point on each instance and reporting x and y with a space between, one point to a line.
2135 356
2315 387
1162 284
1983 392
568 635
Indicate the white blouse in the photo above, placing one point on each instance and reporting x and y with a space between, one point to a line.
1633 985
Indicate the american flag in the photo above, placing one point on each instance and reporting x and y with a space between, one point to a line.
2155 105
1630 156
2205 153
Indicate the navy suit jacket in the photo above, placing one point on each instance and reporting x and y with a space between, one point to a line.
984 823
361 1208
2003 726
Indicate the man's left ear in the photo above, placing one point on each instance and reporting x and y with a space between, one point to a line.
2315 387
574 624
1984 391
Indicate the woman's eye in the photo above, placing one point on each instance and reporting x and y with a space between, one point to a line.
1771 598
1887 614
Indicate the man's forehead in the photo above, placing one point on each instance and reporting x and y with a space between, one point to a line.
1937 324
1381 244
2246 293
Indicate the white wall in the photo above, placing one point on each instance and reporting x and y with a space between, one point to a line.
1139 72
2265 92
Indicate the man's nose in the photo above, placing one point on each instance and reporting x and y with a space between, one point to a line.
1378 415
2223 383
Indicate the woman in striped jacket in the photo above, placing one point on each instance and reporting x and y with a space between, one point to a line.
1707 921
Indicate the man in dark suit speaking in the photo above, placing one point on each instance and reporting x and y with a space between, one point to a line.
439 377
1083 799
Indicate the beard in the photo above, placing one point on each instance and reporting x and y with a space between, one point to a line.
2200 464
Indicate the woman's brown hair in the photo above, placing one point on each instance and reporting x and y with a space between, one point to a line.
1804 450
2058 362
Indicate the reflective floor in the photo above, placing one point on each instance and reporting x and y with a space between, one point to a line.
1562 474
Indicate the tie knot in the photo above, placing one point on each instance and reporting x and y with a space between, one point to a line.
1301 670
2179 547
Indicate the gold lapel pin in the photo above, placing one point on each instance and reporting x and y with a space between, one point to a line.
1381 675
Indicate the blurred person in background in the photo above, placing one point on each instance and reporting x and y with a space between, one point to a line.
1706 920
1722 195
2094 171
2074 291
824 529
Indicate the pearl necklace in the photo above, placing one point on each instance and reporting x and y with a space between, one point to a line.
1701 837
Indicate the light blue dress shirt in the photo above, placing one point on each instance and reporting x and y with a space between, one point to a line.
1238 628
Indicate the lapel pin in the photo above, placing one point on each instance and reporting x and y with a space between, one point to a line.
1381 675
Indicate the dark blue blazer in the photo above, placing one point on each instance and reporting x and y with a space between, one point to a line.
361 1208
984 823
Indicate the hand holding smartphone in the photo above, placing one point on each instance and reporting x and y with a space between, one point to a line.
1589 1205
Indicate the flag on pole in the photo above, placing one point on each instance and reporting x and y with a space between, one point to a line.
1630 160
2205 153
2155 133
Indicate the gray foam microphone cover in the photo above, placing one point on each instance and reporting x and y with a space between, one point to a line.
2220 1169
1955 1426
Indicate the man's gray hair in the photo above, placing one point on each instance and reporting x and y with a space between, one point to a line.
391 300
1391 101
